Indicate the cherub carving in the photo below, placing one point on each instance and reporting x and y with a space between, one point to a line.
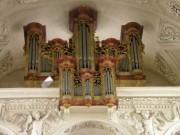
2 109
148 122
35 125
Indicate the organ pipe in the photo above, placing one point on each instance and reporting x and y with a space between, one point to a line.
134 52
87 87
33 53
84 49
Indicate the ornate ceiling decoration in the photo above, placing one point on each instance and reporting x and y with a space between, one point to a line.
162 67
173 8
168 32
4 33
6 62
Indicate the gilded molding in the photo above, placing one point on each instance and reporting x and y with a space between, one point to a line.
168 32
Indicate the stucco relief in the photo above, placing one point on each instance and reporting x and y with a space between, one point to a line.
6 62
173 8
4 33
164 69
148 115
168 32
27 116
92 124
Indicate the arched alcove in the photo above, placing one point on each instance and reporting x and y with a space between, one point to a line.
174 129
88 127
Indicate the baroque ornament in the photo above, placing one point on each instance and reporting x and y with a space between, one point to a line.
92 124
173 8
163 68
6 62
148 114
4 34
168 32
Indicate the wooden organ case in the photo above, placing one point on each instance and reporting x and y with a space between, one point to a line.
86 70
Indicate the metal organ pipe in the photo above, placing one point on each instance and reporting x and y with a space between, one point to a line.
87 87
30 60
87 47
80 47
135 52
109 80
84 48
132 54
33 52
84 45
137 46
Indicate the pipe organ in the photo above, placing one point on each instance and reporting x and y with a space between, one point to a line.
86 70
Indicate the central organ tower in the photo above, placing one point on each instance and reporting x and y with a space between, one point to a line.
86 70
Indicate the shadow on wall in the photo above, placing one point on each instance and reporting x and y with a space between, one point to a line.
155 79
14 79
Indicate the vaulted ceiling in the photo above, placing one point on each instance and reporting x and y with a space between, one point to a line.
161 35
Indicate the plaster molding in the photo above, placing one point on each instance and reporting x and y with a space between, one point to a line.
168 32
150 114
154 106
4 33
162 67
148 92
6 62
142 1
173 8
27 1
92 124
29 93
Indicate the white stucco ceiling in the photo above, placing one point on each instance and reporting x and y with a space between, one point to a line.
161 34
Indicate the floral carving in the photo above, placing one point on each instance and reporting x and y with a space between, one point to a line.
173 8
163 68
168 32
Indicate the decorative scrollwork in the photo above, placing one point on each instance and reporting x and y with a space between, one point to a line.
68 50
4 34
97 79
100 51
6 62
122 48
77 80
46 50
173 8
168 32
163 68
